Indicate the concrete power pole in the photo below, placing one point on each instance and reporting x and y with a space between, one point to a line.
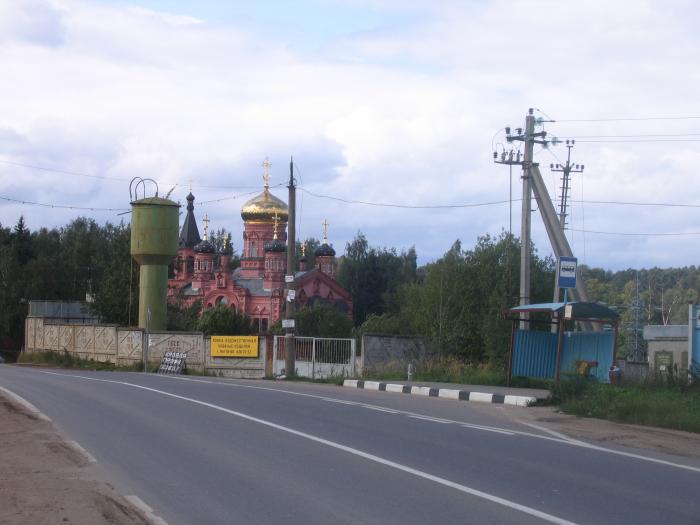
566 171
529 138
534 184
290 351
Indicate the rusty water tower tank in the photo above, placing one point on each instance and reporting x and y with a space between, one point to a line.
154 233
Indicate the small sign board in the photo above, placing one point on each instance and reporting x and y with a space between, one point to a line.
287 323
288 278
568 311
172 363
566 271
291 294
234 346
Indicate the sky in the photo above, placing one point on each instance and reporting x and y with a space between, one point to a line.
378 101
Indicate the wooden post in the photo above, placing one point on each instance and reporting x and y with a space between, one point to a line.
560 341
510 357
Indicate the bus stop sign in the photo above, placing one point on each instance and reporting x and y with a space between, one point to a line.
567 272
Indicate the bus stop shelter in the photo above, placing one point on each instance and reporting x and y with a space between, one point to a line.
546 353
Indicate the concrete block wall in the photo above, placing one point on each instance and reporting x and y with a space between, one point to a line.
124 346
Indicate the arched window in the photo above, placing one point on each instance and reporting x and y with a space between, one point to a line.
190 264
253 249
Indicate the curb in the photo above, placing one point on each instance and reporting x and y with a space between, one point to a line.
449 393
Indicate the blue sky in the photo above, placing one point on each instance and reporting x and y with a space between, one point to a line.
383 101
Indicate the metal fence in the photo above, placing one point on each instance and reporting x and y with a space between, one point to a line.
316 358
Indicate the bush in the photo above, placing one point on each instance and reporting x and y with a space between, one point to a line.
223 320
323 321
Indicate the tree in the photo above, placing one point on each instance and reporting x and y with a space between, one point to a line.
323 321
224 320
373 276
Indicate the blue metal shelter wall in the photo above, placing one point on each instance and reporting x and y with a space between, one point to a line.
588 346
534 354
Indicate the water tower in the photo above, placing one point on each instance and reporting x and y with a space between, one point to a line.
154 232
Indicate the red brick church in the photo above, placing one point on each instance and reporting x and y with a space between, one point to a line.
256 288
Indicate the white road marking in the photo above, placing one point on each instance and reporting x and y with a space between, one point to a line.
433 419
76 446
565 440
380 409
26 404
148 511
551 432
350 450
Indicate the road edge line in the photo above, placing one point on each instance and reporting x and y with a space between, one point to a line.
25 404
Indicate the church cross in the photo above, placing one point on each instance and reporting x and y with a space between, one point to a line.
205 220
325 225
190 184
266 175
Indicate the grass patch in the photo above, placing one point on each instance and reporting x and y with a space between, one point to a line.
66 360
453 370
659 402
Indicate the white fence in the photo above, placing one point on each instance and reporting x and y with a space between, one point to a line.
316 358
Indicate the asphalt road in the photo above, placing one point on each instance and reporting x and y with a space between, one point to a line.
203 450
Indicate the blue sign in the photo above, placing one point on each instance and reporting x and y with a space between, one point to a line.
567 272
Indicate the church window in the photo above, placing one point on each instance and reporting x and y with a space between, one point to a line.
253 249
190 264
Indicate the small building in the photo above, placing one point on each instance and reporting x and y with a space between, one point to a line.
667 346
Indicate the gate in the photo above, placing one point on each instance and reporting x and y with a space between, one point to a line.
316 357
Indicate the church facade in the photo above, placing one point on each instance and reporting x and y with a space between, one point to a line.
257 287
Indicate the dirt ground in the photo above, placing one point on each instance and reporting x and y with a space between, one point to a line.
44 480
603 432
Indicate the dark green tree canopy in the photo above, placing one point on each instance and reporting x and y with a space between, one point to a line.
224 320
323 321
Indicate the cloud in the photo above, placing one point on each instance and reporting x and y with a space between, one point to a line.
402 113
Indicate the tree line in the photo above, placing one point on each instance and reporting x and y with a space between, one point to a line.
456 301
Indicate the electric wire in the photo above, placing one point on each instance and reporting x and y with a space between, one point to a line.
625 119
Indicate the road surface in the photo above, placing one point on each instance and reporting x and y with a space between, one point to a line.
205 450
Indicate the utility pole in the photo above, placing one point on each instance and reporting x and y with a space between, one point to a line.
534 184
566 172
289 347
529 138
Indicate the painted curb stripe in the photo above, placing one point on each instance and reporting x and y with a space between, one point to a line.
449 393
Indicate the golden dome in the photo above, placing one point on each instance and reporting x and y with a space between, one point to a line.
264 207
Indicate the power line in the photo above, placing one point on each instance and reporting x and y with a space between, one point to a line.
118 179
64 172
61 206
577 137
629 203
624 119
637 234
639 140
407 206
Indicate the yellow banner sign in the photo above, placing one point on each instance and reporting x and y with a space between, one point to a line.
234 346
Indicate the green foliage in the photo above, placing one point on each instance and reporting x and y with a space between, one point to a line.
66 360
323 321
183 318
661 407
460 300
373 276
223 320
388 323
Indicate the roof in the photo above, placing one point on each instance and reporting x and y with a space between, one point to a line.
671 331
580 310
189 235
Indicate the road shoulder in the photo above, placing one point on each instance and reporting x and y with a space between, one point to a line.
45 479
605 432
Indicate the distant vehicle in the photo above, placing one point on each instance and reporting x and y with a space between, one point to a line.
2 359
